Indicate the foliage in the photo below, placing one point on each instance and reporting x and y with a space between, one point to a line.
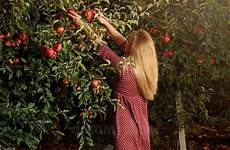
42 90
194 60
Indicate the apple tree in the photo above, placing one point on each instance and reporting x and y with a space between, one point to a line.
52 80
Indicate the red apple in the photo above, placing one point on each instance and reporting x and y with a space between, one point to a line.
212 61
9 43
198 29
95 83
206 146
77 86
165 38
72 26
8 34
153 30
57 47
17 61
66 80
81 115
199 60
13 44
90 114
169 53
2 36
18 41
89 14
60 29
23 36
49 52
10 61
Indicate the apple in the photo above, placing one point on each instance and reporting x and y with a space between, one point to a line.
77 86
89 14
10 61
9 43
212 61
17 61
169 53
13 44
18 41
72 26
153 30
51 53
90 114
57 47
198 29
47 51
81 115
24 36
2 36
8 34
66 80
95 83
165 38
206 146
60 29
199 60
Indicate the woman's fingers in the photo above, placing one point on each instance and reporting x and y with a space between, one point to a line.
72 12
99 18
72 16
75 18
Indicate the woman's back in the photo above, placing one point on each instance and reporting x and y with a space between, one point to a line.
125 82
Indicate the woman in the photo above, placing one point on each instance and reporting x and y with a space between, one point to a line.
134 85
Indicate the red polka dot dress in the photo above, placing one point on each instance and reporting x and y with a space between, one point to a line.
131 118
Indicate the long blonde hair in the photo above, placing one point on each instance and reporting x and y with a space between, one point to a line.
141 48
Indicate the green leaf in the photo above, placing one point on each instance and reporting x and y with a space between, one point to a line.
23 60
18 73
11 75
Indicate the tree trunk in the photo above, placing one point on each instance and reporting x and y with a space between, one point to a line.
181 132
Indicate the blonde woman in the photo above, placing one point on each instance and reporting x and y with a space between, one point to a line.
134 85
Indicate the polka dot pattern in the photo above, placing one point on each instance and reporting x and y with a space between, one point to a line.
131 117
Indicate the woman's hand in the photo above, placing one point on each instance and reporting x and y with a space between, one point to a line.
102 19
76 18
118 37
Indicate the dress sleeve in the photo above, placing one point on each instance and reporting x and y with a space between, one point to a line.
122 47
107 54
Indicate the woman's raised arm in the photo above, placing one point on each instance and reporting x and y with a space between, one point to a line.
117 36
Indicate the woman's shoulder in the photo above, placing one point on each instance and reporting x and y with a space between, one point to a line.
126 67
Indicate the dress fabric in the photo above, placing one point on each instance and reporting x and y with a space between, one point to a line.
131 117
